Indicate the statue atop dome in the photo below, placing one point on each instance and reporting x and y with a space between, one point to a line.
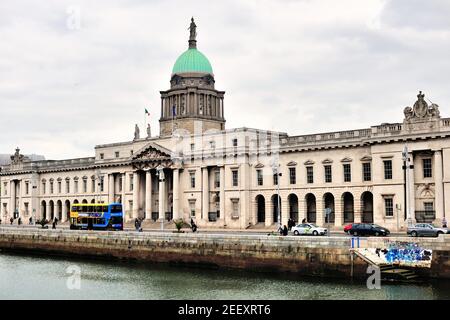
193 34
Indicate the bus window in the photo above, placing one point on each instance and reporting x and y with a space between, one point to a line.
117 208
74 209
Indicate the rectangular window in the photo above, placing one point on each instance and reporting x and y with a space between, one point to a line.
131 152
259 177
292 176
192 207
93 185
44 185
192 178
117 154
367 171
51 187
212 144
59 187
428 206
27 187
235 206
102 184
235 142
235 176
120 183
387 169
75 186
131 182
26 208
217 179
427 168
5 188
389 207
347 172
102 156
192 146
67 186
309 175
328 174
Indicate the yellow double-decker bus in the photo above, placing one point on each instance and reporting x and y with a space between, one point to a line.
96 216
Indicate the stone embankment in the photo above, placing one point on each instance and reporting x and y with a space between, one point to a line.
314 256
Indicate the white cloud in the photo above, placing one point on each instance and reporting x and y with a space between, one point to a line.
295 66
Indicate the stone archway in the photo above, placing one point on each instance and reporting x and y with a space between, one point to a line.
43 209
260 208
328 200
348 207
367 207
293 207
51 206
275 203
67 205
310 201
84 201
59 208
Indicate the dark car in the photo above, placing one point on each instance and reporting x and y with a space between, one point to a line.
368 229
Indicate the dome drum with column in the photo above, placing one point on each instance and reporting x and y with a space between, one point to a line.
192 103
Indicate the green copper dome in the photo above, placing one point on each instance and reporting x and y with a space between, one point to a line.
192 60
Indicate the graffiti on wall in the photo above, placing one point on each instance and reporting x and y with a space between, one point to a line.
405 253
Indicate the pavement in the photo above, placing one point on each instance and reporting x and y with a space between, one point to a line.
170 227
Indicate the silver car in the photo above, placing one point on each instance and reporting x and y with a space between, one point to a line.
308 229
426 230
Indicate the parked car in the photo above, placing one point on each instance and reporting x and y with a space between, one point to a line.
309 229
426 230
348 227
368 229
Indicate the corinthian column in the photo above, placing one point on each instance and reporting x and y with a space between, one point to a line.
205 193
439 188
111 188
148 194
162 195
176 195
136 184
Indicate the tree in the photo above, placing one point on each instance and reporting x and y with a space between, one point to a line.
179 224
42 222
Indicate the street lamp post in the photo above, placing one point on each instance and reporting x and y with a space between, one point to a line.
407 167
161 178
275 170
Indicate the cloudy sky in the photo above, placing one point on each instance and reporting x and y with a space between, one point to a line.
76 73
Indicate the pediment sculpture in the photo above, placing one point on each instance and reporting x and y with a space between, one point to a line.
421 110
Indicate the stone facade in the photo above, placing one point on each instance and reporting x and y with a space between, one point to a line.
225 178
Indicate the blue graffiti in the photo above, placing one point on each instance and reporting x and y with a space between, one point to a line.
405 252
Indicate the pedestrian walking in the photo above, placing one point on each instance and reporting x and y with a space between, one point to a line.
304 220
19 221
11 220
193 225
54 224
30 221
285 231
444 223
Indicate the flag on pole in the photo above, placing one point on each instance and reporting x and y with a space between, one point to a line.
147 113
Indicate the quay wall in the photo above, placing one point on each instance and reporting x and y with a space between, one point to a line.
313 256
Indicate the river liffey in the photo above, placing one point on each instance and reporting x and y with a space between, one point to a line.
39 277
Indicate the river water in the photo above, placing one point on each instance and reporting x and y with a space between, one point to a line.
41 277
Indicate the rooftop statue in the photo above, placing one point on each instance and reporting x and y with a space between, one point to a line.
193 29
136 132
